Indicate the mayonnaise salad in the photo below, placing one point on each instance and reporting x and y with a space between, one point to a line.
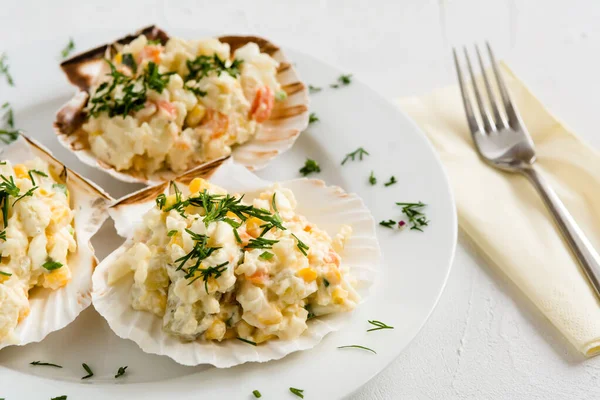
176 105
36 239
215 267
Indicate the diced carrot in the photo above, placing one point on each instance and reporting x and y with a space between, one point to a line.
333 258
263 104
258 277
151 53
216 123
168 107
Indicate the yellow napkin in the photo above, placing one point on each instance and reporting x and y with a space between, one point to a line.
504 215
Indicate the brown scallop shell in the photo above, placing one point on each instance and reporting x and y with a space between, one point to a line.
275 136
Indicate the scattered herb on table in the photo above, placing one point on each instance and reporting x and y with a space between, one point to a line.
388 224
416 217
4 69
45 364
342 80
297 392
68 48
121 372
310 166
247 341
312 118
9 115
372 179
314 89
256 394
63 397
378 326
355 346
391 181
88 370
360 152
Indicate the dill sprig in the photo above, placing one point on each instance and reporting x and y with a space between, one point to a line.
310 166
134 91
8 136
4 69
68 48
35 171
378 326
88 370
301 245
360 152
9 115
416 217
121 372
5 273
391 181
314 89
372 179
388 224
51 265
297 392
202 66
356 346
246 341
45 364
342 80
261 243
312 118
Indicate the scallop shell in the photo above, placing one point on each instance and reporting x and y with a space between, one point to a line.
274 136
327 206
52 310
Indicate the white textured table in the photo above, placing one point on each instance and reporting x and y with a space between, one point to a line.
484 340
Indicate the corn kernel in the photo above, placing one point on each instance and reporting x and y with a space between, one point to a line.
197 185
171 200
96 133
253 226
195 116
339 295
260 337
308 274
20 171
57 278
43 192
118 58
216 331
23 314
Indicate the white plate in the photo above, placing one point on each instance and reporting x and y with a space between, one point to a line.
415 269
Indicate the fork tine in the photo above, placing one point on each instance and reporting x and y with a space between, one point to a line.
474 124
514 118
488 122
498 117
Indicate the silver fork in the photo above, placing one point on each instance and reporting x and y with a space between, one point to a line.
502 140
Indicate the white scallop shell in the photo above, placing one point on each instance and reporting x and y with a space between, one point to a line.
52 310
275 136
327 206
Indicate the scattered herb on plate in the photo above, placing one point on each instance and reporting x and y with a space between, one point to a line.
310 166
391 181
256 394
88 370
416 217
312 118
45 364
68 48
121 372
4 69
355 346
9 115
360 152
372 179
314 89
378 325
342 80
297 392
247 341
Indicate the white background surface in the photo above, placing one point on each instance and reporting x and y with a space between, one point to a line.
484 340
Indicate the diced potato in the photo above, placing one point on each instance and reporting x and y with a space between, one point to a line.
216 331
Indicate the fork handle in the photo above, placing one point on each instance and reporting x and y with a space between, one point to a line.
583 250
